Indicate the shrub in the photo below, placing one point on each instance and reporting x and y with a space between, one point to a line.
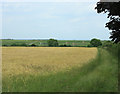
33 45
22 44
114 49
107 44
65 45
52 43
95 42
4 45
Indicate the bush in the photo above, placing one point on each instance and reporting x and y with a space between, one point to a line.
107 44
33 45
52 43
4 45
65 45
95 42
22 44
114 49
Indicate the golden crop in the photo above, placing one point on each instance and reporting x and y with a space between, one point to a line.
43 60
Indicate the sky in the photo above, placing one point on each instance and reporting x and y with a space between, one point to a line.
58 20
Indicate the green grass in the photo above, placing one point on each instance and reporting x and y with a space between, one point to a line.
100 75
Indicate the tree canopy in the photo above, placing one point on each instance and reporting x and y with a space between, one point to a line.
95 42
113 10
52 43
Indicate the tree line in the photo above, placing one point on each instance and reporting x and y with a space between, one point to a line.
54 43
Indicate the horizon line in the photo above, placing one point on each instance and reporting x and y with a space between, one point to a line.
50 38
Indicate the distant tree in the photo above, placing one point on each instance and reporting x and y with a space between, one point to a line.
95 42
52 43
65 45
4 45
33 45
113 10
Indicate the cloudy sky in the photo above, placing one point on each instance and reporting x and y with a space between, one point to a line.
59 20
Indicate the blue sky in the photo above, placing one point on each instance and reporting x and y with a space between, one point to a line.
59 20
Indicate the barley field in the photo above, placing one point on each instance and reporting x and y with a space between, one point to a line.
43 60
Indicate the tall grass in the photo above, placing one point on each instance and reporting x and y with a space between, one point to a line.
114 50
100 75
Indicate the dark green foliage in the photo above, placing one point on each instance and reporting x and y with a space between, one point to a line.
111 48
33 45
4 45
95 42
113 9
107 44
62 45
18 44
65 45
52 43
